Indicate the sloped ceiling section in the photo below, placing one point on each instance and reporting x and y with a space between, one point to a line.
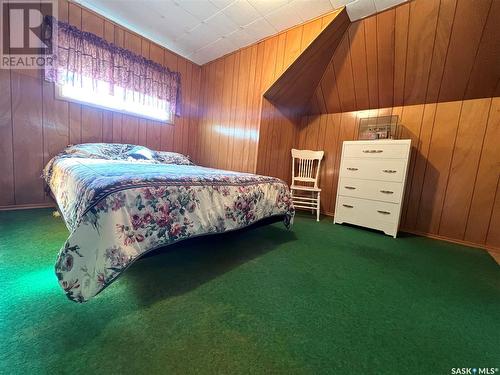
294 88
424 51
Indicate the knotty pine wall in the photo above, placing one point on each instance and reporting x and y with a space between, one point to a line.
231 96
34 126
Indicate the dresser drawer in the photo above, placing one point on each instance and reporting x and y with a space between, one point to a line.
366 212
376 150
374 169
378 190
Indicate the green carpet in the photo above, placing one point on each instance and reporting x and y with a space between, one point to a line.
322 298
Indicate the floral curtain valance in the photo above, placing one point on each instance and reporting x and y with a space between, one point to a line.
82 55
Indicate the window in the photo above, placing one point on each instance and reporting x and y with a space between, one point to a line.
99 94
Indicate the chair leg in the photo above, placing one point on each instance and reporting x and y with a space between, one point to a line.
317 208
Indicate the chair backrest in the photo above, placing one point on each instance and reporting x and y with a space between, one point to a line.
308 164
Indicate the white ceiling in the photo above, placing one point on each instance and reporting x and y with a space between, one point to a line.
203 30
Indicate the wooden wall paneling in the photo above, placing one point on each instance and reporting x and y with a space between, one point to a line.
225 115
240 143
385 57
343 71
418 171
232 128
401 21
27 135
464 166
187 104
178 128
310 32
6 141
410 128
280 55
55 122
493 236
264 137
215 133
421 35
372 60
438 165
470 20
331 146
441 43
75 109
483 198
358 60
250 127
269 67
485 74
92 117
256 108
330 91
293 45
195 100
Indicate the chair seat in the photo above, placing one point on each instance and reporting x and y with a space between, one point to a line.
304 188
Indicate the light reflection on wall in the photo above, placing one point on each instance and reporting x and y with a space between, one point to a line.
237 133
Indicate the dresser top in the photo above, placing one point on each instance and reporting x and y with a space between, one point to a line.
381 142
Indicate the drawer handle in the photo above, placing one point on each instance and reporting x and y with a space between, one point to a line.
389 171
352 169
348 206
373 151
383 212
386 192
350 187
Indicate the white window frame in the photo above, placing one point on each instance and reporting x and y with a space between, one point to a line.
60 96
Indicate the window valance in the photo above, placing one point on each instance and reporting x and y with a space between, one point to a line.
80 56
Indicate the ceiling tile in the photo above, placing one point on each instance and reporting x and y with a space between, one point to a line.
201 9
202 30
241 12
265 7
222 24
260 28
360 9
312 8
221 4
174 14
385 4
340 3
284 17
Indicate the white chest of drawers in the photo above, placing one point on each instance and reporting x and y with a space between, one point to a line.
371 183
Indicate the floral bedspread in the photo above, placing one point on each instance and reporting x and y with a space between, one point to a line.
116 210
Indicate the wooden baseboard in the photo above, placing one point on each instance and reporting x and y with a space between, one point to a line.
491 249
453 240
27 206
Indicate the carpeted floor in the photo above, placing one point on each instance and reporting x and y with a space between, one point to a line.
319 299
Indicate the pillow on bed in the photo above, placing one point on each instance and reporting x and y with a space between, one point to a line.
166 157
108 151
140 153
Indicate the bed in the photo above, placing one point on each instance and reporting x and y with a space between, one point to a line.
120 202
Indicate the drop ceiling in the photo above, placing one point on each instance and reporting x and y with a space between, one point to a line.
203 30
